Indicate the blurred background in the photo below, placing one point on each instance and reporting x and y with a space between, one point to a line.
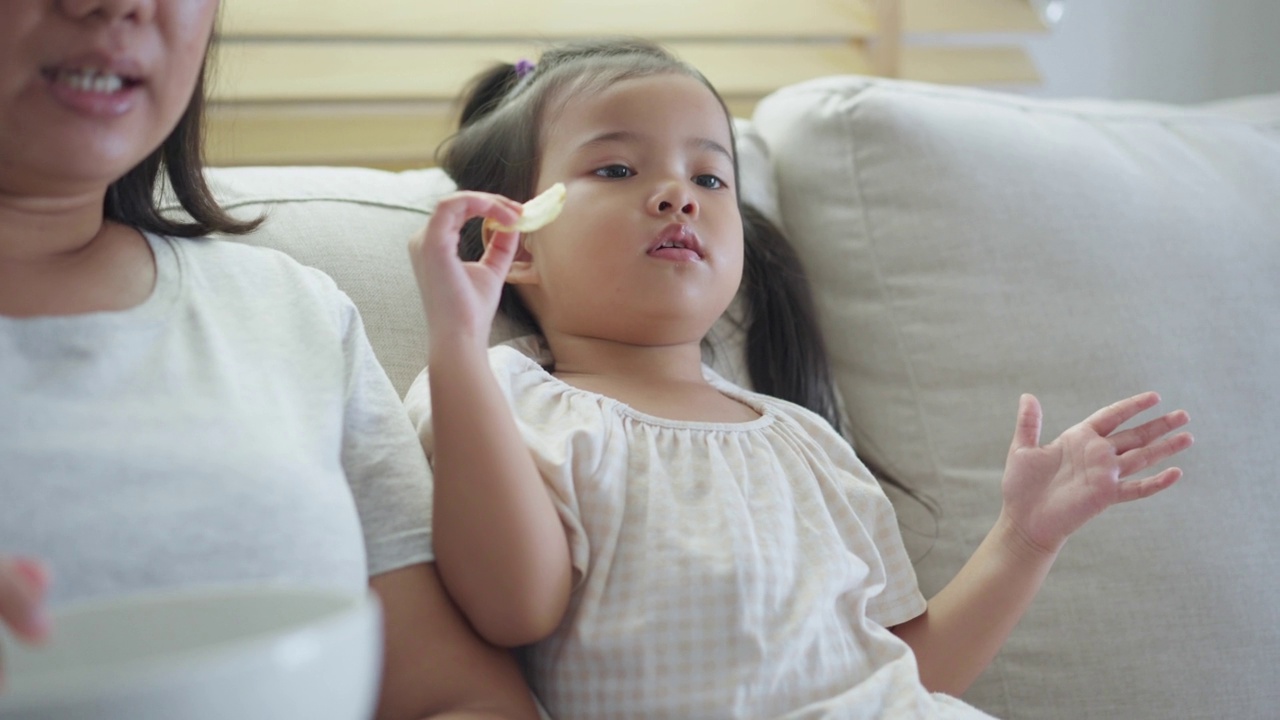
331 82
1182 51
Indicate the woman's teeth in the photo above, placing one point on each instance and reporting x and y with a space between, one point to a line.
90 81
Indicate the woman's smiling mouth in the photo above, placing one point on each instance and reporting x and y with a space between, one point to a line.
95 86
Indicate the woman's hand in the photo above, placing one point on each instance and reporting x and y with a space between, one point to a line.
460 298
23 583
1051 491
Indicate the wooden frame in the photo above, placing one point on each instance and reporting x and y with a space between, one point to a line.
313 82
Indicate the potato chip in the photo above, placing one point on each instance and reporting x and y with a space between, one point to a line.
538 212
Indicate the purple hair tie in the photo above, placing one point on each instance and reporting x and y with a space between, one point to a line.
523 68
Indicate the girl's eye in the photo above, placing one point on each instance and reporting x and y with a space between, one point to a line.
615 172
709 181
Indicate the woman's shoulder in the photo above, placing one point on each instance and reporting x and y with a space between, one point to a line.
221 255
266 274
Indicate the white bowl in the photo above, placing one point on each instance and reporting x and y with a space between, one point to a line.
261 653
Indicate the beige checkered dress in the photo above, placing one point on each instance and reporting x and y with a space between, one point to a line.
741 570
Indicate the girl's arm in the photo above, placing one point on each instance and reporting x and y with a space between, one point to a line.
501 550
1049 493
434 666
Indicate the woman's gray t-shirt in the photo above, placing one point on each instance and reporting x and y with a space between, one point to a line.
235 427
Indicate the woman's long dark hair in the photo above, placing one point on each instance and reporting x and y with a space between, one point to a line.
133 199
496 149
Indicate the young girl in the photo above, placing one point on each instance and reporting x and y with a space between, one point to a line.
671 545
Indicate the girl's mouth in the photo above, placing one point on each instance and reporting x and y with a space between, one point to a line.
677 242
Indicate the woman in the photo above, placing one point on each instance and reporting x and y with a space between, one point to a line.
176 412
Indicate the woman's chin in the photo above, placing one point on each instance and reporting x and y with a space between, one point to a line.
70 170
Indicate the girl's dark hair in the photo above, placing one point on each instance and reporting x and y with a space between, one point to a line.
497 150
134 199
786 355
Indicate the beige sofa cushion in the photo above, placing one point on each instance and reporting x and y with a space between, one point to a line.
968 246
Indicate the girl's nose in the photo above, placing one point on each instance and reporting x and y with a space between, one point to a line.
673 198
110 10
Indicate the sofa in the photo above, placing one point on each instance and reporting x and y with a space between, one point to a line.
965 246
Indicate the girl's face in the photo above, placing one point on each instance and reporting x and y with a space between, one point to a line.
648 249
88 88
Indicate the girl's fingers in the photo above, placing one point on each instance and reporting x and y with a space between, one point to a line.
1030 417
1130 490
34 571
1105 421
1144 457
1144 434
22 587
454 211
500 251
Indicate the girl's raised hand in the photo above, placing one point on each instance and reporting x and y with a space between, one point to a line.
1051 491
460 298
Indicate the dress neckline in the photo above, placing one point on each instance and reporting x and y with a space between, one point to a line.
535 352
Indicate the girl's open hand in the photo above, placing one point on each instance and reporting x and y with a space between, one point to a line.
460 298
1051 491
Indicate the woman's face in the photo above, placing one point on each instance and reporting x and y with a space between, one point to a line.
89 88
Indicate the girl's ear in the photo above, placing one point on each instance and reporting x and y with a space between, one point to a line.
522 271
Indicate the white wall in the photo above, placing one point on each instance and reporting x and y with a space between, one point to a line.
1164 50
